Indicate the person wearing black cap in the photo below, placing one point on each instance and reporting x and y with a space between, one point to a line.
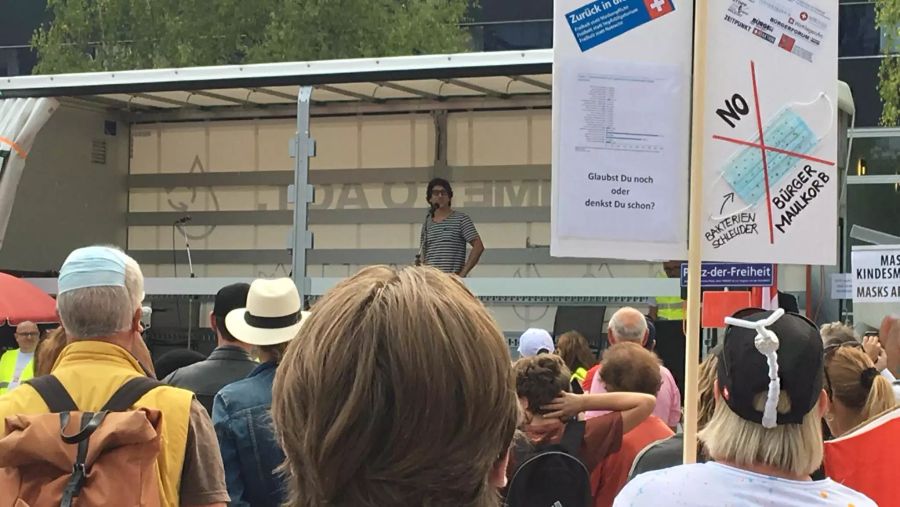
228 363
765 435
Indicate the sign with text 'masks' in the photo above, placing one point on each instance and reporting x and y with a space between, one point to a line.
876 274
621 127
770 143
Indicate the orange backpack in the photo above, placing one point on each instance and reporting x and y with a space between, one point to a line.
72 458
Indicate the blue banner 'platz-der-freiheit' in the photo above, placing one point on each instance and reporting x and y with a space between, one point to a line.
597 22
728 274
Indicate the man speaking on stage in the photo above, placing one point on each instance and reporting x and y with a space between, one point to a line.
442 243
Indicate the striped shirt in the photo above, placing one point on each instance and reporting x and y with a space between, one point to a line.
444 243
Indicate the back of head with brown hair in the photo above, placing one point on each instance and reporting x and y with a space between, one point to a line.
630 367
396 391
540 379
837 332
846 370
48 351
575 351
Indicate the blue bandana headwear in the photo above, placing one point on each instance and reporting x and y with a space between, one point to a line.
93 266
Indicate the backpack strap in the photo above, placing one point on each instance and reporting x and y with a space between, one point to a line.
130 392
572 438
54 393
89 423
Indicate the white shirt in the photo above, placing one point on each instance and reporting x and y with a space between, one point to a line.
22 361
716 485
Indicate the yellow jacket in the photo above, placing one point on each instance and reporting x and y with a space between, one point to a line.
91 372
8 369
669 307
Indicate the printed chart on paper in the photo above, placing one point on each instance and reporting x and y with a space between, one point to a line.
617 149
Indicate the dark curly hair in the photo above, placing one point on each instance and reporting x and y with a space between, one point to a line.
540 379
630 367
442 183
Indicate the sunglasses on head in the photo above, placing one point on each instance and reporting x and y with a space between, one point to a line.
830 349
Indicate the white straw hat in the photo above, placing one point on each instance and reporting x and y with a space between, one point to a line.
272 315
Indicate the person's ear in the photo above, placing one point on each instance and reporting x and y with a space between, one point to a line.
716 393
497 477
136 321
212 321
646 337
609 337
523 402
824 404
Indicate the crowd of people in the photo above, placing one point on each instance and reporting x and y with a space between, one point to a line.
398 388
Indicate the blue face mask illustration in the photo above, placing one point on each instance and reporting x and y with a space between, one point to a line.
744 171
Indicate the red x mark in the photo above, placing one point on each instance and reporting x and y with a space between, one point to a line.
763 149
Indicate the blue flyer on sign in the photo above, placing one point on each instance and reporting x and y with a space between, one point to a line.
602 20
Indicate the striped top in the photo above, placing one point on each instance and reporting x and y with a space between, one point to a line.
444 243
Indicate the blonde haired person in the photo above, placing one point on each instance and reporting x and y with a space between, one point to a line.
837 333
574 350
397 391
765 441
864 418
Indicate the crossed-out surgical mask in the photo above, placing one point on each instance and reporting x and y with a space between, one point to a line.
788 131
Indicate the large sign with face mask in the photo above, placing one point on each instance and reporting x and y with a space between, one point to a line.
770 143
621 128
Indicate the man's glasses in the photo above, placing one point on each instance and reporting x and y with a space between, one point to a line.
438 193
32 334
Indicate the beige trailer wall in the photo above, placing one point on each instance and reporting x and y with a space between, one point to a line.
498 161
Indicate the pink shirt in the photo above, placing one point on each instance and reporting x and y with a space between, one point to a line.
668 398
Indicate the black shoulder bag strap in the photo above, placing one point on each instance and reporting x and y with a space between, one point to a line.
130 392
572 438
54 394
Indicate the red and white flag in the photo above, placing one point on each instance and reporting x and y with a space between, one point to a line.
766 297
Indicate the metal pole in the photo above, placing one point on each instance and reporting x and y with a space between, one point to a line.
303 148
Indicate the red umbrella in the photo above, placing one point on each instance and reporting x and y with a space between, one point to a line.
21 301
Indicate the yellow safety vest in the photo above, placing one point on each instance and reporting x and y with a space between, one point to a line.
579 375
669 307
8 369
91 372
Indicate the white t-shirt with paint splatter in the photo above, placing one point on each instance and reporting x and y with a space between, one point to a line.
717 485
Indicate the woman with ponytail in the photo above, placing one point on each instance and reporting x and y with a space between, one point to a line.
864 418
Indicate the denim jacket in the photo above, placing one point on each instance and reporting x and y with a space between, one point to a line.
241 415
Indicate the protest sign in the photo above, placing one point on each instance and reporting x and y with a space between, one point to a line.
770 136
876 274
621 125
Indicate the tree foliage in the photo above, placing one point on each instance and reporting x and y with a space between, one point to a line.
888 18
94 35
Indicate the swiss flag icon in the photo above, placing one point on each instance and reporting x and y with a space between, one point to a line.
657 8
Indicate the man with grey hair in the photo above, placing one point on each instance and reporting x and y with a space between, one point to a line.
630 325
99 304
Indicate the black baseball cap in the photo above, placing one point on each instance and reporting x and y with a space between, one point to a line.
743 371
229 298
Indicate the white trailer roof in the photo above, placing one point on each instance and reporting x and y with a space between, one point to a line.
505 76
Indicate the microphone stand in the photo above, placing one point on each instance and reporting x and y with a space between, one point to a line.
187 246
420 256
